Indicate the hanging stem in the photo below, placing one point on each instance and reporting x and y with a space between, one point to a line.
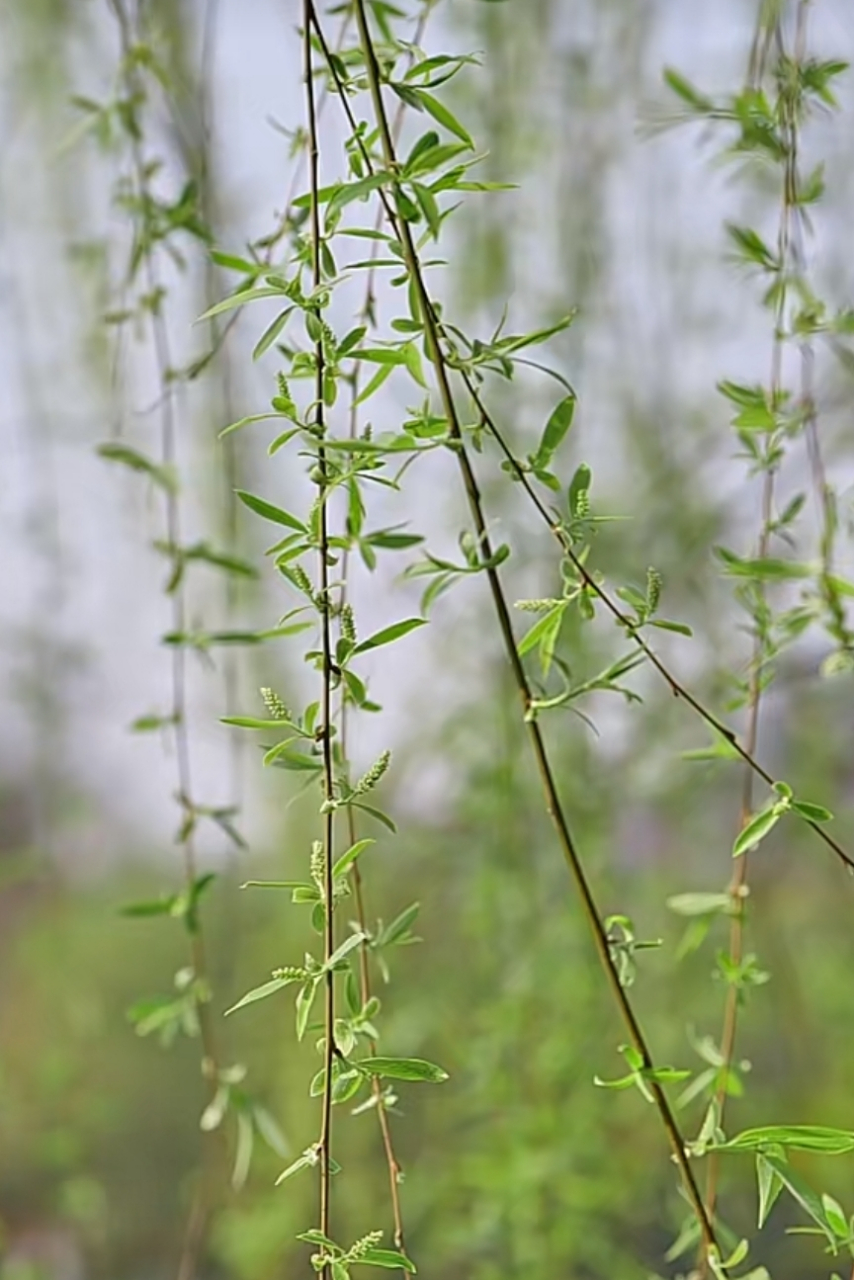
200 1209
738 888
677 688
231 468
552 799
324 606
365 986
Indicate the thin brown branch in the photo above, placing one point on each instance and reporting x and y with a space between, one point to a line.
738 887
677 688
365 989
552 799
324 607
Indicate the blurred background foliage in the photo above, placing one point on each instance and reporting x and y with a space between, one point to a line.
517 1166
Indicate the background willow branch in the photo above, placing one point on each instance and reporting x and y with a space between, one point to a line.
142 204
762 654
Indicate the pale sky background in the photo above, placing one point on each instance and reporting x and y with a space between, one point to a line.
77 567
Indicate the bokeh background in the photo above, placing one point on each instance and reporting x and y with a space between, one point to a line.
517 1166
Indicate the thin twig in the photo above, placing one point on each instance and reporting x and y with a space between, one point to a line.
552 799
231 469
368 314
324 606
738 888
677 688
168 430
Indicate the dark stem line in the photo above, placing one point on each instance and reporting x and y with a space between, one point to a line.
365 991
365 987
555 526
677 688
324 607
552 799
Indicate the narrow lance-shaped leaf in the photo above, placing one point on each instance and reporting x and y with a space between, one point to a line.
556 428
794 1137
756 829
415 1069
769 1186
444 116
270 512
341 953
389 634
115 451
261 993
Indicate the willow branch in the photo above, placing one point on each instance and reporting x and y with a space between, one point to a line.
194 1235
365 986
324 607
552 800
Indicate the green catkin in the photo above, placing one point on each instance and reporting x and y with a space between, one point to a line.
536 606
348 623
318 865
274 704
653 589
301 579
291 973
370 779
358 1251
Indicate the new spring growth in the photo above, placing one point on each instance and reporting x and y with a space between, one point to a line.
365 784
318 864
300 579
370 779
274 705
348 623
290 973
362 1247
653 591
285 403
361 1251
536 606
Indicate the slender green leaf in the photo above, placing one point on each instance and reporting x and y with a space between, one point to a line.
556 428
389 1258
444 116
793 1137
260 993
403 1069
270 512
756 830
389 634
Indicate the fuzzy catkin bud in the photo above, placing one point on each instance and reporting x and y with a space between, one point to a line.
582 505
274 705
318 863
314 513
653 589
363 1246
372 777
301 579
536 606
348 623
